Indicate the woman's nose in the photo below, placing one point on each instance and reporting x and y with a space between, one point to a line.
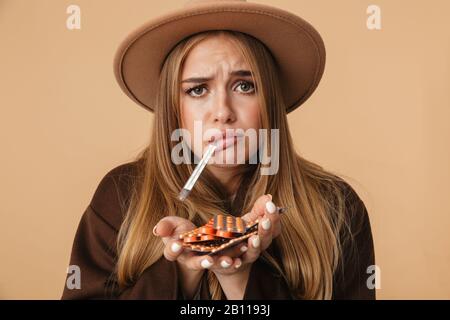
223 112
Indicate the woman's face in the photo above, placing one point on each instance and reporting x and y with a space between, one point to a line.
218 93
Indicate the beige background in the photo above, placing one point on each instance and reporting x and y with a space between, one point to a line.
380 117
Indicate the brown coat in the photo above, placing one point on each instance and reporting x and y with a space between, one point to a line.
94 252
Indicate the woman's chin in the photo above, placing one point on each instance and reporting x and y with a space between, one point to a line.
226 165
227 159
222 161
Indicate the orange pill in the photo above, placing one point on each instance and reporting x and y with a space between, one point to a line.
191 239
207 237
207 230
225 234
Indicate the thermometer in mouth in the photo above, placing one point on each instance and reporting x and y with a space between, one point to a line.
196 173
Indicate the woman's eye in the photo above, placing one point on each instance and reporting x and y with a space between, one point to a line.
246 87
196 91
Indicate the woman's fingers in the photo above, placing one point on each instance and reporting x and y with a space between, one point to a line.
224 262
232 258
226 265
171 226
234 251
229 260
269 219
269 228
196 262
265 232
172 250
237 263
258 209
254 249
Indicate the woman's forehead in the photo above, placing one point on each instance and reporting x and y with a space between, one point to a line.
213 54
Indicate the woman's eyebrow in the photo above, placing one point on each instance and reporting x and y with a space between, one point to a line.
241 73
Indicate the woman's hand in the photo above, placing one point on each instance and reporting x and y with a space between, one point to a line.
232 266
268 229
190 264
169 228
234 280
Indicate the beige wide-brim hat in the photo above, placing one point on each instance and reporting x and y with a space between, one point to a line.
297 47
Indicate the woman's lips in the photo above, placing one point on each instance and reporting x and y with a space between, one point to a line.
226 142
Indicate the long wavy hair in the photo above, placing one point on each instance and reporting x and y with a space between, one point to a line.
309 247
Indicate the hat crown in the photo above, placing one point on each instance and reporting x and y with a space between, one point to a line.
297 48
190 3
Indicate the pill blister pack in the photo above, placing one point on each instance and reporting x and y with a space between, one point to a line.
221 232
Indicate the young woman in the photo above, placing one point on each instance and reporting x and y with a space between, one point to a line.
189 69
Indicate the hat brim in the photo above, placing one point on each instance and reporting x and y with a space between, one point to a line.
297 47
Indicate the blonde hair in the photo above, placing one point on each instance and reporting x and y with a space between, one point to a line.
309 246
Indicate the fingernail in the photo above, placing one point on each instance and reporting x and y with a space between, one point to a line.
237 265
206 264
175 247
154 230
270 206
225 264
255 242
244 248
266 224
